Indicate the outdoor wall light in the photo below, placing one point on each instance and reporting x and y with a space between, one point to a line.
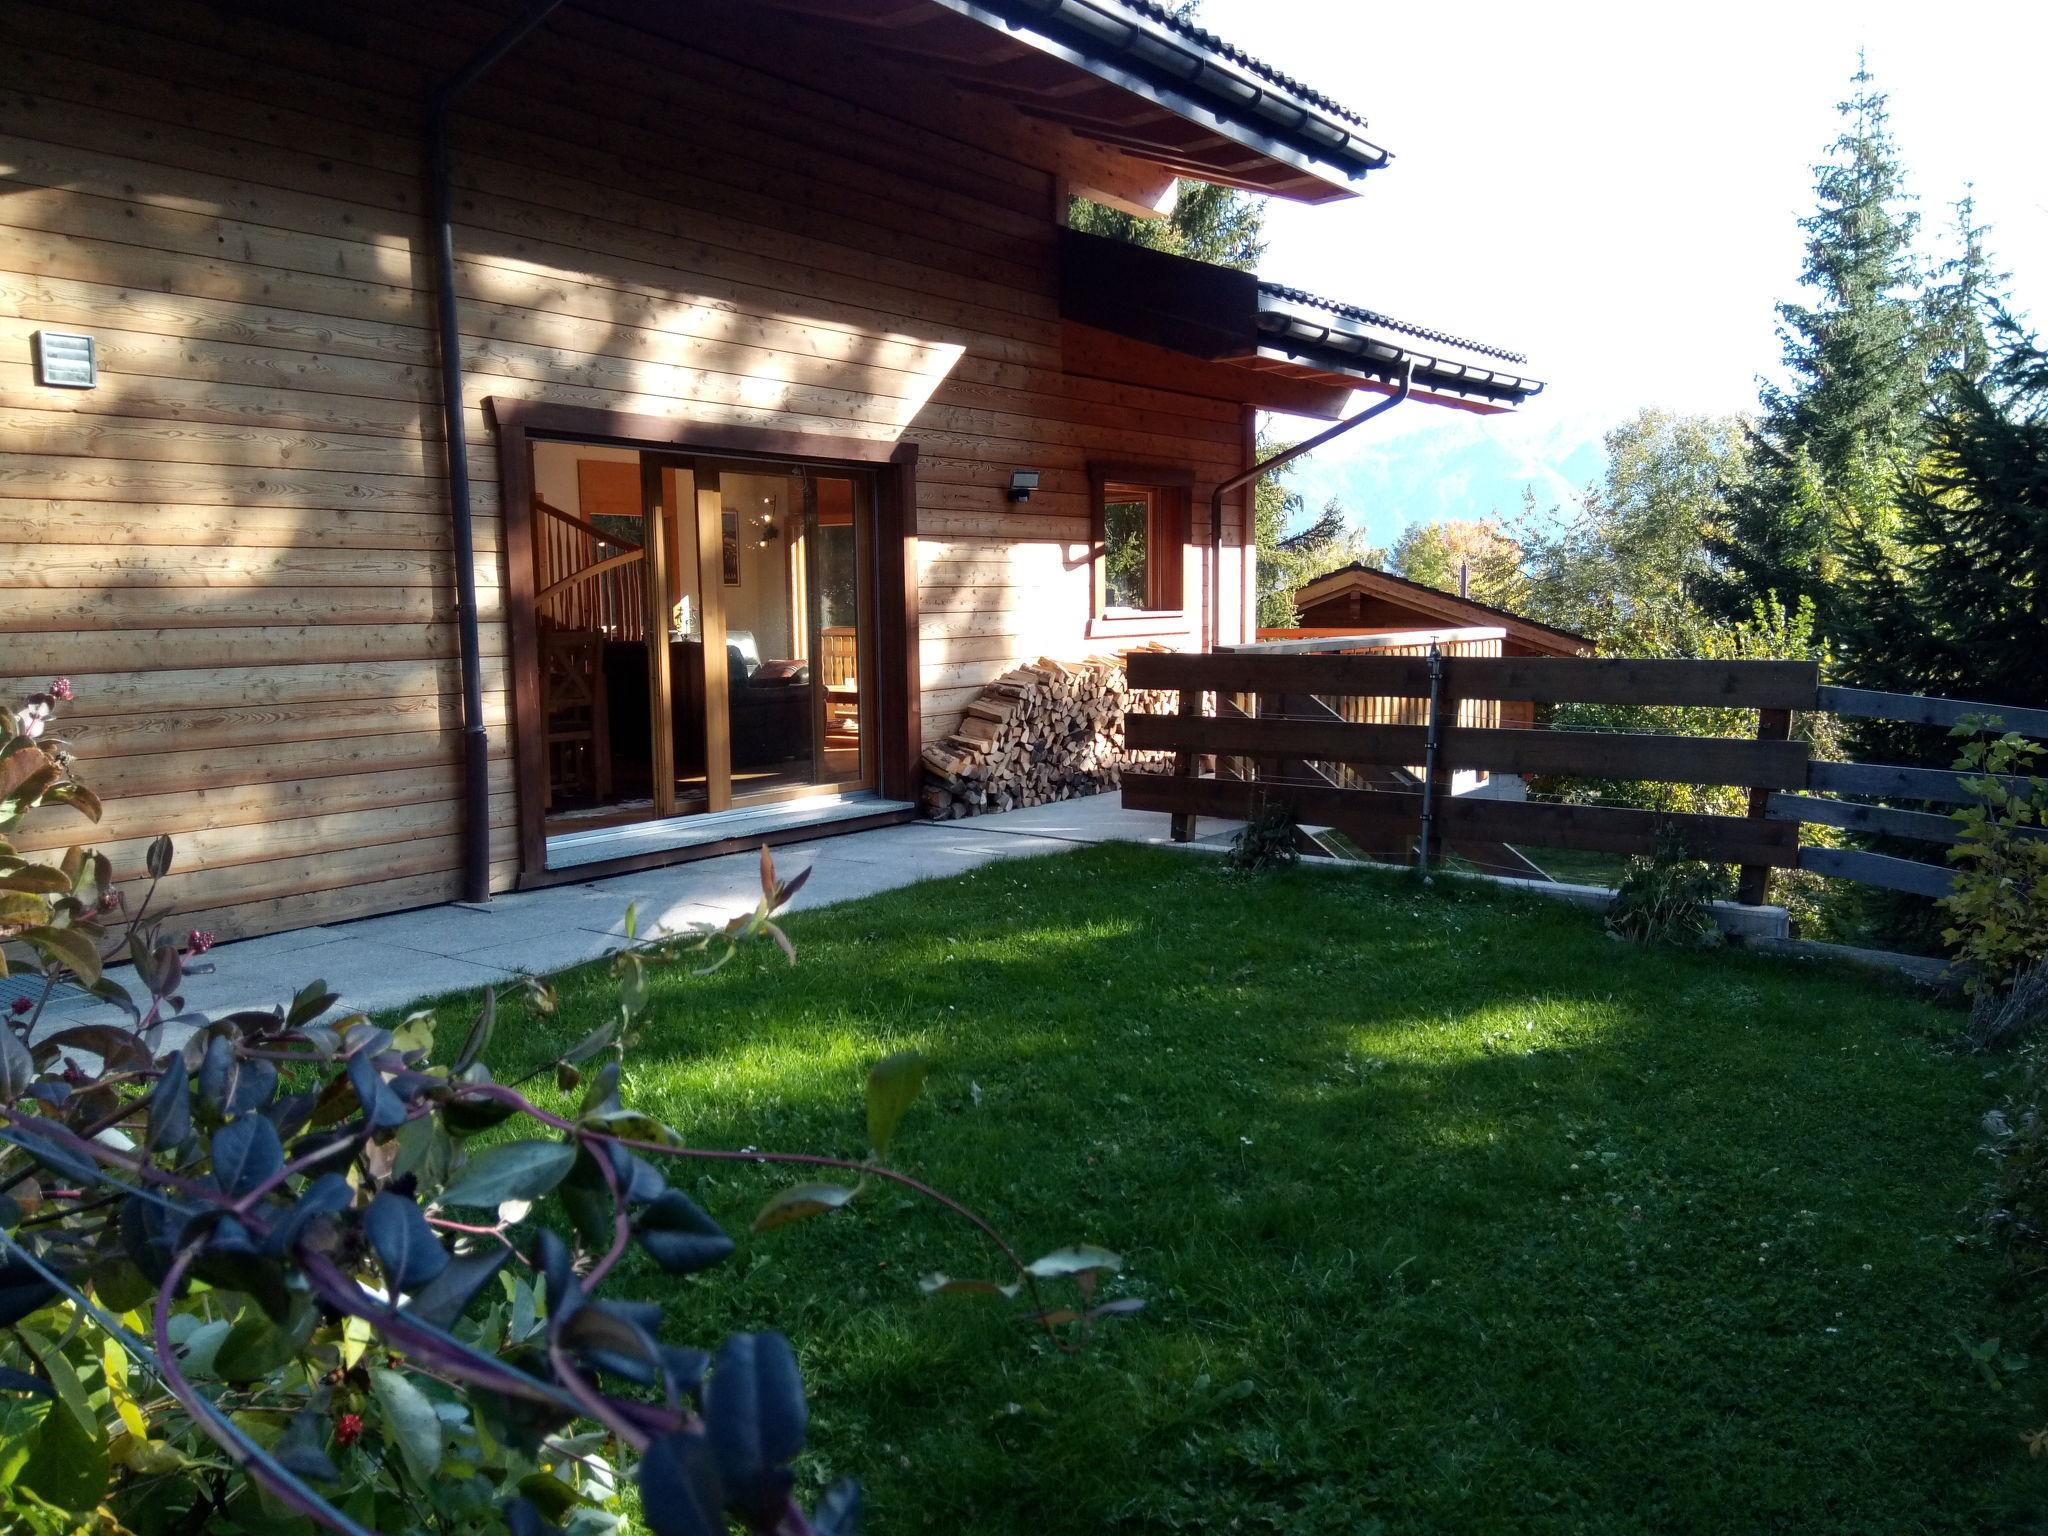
1022 483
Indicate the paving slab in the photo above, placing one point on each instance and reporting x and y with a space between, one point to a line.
387 962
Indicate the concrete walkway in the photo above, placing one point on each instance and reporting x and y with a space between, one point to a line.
378 963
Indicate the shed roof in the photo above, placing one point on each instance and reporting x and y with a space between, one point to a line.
1435 604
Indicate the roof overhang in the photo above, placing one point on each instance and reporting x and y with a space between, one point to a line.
1126 77
1273 334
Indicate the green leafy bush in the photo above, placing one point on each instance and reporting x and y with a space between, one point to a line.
303 1270
1667 898
1267 841
1998 906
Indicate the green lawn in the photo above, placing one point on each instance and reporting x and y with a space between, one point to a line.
1452 1213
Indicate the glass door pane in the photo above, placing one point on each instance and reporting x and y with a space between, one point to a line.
674 494
838 560
771 708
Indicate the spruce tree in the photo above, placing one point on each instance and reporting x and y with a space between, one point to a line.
1829 449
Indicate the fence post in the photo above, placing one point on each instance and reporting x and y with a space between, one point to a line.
1753 889
1436 783
1186 765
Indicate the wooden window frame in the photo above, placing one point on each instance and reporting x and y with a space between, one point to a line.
520 423
1169 491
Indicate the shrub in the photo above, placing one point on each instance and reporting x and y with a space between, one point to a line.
1998 906
1267 841
304 1268
1667 897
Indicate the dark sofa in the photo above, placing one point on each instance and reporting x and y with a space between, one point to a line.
772 714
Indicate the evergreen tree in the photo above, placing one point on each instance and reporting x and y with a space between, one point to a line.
1969 610
1219 225
1291 554
1829 451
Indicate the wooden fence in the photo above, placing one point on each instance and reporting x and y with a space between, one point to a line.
1260 754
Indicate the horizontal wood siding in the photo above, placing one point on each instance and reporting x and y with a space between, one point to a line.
238 546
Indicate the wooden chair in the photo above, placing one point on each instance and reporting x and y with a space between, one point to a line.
578 759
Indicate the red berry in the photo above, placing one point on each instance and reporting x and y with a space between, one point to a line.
60 690
20 1005
348 1429
199 941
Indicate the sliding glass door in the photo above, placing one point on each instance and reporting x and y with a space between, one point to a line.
709 636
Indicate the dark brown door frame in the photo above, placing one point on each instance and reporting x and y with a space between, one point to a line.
520 422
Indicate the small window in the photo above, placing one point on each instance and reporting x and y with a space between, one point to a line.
1140 542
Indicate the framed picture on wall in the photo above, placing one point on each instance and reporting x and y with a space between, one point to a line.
731 548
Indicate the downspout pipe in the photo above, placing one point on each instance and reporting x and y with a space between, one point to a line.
1279 460
476 808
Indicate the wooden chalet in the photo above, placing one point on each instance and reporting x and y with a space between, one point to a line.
1358 599
461 447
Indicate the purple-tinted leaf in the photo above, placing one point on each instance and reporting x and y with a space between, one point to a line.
551 1256
381 1106
512 1170
56 1149
405 1244
255 1087
612 1338
17 1066
119 1050
327 1195
838 1513
12 1380
303 1448
170 1106
313 999
679 1487
158 859
22 1289
217 1071
679 1236
523 1518
246 1152
443 1299
1122 1307
755 1417
151 1233
684 1368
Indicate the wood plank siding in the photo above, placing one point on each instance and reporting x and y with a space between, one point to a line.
238 546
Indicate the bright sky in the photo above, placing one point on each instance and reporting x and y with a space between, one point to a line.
1614 189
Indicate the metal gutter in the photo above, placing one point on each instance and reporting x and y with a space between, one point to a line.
1266 466
1320 337
476 811
1177 73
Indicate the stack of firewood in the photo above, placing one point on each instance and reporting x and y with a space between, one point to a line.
1048 731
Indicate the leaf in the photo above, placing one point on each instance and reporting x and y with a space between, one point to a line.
755 1418
257 1345
170 1106
303 1449
151 1234
67 1461
838 1513
611 1339
479 1036
405 1244
328 1195
313 999
591 1043
12 1380
246 1152
381 1106
158 859
60 1151
800 1201
513 1170
119 1050
894 1083
680 1493
938 1284
17 1066
1122 1307
217 1073
1075 1260
22 1290
410 1422
443 1299
67 947
679 1236
36 879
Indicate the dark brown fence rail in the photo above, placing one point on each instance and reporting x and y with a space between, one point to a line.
1260 722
